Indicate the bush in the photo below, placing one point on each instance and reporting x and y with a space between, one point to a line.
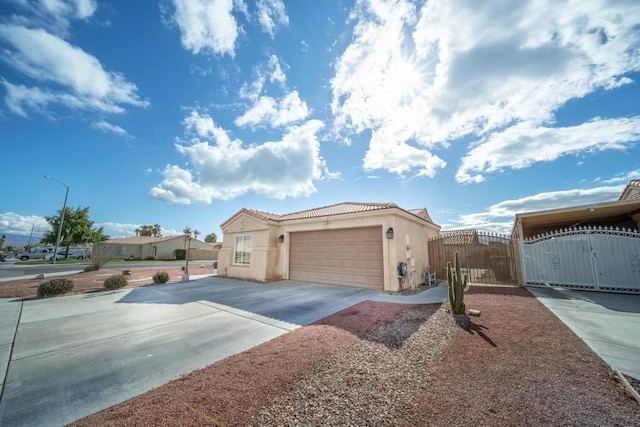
116 281
181 254
55 287
161 277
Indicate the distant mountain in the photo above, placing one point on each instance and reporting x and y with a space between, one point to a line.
20 241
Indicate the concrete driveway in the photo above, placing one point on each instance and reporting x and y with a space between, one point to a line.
608 323
68 357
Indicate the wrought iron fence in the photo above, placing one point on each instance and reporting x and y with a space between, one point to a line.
485 257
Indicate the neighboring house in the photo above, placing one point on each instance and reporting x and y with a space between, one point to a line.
149 247
351 244
593 247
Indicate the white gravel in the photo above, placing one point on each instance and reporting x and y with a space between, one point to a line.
373 382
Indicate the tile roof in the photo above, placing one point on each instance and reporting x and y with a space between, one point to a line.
141 240
337 209
630 191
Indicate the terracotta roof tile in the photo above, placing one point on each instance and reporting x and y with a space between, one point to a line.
141 240
337 209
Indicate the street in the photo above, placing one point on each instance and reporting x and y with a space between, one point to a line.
19 270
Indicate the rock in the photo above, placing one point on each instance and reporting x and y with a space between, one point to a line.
472 312
41 276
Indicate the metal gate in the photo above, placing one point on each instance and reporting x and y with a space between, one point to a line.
485 257
590 258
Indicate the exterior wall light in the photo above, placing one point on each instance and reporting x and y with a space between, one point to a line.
390 233
281 238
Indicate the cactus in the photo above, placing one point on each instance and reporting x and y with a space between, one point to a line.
457 285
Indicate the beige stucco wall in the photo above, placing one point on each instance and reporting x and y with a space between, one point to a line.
259 231
165 248
270 258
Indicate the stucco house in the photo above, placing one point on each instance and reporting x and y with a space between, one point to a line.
149 247
350 244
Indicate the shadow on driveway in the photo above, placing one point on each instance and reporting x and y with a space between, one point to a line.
289 301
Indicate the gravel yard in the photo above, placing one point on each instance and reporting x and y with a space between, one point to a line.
391 364
93 280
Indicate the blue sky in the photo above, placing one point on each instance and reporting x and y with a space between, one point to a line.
182 112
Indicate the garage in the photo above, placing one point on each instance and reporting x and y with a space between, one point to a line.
351 244
349 257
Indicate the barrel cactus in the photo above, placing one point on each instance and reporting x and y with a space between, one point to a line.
457 285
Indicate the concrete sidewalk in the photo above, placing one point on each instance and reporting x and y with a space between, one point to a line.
608 323
76 355
10 310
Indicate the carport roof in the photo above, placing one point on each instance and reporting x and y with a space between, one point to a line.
602 214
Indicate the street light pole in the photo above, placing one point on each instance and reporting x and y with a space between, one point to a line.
64 207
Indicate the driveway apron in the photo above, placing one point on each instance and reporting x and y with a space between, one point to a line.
609 323
76 355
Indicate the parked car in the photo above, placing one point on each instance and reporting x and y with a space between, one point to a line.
73 253
34 253
7 257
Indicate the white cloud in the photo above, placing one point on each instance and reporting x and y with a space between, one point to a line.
53 15
13 223
108 127
208 25
68 75
80 9
623 177
224 168
276 73
424 76
272 71
241 6
499 217
201 125
272 13
267 110
115 230
523 144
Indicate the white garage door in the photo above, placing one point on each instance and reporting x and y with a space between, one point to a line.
349 257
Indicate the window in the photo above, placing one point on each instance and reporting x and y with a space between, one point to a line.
122 250
242 253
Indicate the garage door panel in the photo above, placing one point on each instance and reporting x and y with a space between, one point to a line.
351 257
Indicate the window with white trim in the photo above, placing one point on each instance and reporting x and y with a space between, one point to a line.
242 253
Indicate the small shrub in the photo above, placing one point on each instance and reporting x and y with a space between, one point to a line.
161 277
116 281
91 267
55 287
